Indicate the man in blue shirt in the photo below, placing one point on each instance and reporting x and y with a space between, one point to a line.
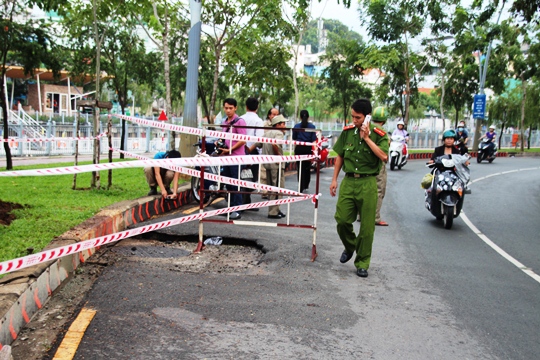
158 176
304 167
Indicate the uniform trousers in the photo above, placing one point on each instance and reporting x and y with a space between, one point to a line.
357 195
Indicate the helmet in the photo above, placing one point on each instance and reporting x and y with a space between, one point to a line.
400 122
450 133
492 127
379 114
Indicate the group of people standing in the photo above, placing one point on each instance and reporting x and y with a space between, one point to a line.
251 124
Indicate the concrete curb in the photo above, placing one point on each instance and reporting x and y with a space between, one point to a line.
24 292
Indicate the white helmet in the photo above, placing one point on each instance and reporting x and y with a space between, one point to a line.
400 122
492 127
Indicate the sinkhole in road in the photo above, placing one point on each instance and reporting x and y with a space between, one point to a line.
234 255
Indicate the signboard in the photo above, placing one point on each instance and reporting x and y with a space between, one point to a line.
479 106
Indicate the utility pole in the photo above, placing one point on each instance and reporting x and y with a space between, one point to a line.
192 79
479 103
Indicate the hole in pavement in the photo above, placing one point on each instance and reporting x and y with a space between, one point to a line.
176 253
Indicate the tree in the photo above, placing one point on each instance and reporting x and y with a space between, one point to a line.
124 60
230 21
520 66
342 73
26 42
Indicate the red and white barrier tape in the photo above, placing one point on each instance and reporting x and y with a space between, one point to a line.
48 255
209 133
224 179
53 139
194 161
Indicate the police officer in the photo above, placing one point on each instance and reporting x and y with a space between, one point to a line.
361 150
379 117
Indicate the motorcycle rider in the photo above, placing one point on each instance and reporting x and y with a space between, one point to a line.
462 138
449 137
400 130
447 148
491 135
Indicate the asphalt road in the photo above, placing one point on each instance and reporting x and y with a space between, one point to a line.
431 293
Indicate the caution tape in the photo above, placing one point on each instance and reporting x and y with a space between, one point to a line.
224 179
193 161
210 133
49 255
53 139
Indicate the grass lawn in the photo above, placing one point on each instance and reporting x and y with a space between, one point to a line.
51 207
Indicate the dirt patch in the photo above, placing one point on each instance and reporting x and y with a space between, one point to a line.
6 217
178 256
41 336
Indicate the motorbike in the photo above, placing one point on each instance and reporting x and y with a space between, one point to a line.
397 152
444 198
486 151
323 153
213 189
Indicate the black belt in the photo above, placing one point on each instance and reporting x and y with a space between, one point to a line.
354 175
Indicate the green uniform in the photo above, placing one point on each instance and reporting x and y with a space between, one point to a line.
358 194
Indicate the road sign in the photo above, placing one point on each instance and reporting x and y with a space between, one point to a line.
162 116
479 106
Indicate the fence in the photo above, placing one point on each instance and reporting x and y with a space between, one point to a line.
143 139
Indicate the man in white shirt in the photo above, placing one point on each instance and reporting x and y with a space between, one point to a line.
252 119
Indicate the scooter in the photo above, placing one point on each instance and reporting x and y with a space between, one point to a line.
323 154
486 151
444 198
213 190
397 152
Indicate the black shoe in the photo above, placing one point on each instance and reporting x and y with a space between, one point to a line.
153 191
282 214
362 272
275 216
345 257
254 209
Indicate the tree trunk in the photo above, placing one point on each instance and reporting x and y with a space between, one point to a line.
109 138
442 98
78 117
295 82
9 161
167 66
95 182
215 85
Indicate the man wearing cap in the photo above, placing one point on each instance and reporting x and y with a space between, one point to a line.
275 172
361 150
378 118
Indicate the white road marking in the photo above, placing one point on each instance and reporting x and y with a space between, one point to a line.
490 243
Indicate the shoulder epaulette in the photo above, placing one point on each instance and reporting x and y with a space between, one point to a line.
349 127
379 131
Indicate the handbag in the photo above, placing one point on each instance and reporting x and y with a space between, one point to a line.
246 174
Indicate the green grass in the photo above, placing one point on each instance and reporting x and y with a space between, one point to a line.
51 207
